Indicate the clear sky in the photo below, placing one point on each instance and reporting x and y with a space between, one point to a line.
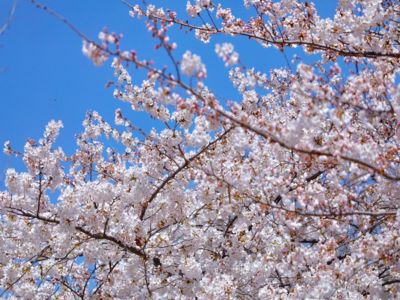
45 76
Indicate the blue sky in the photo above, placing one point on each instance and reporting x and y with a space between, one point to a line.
46 76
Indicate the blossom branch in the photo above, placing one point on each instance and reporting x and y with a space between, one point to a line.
96 236
270 136
281 42
177 171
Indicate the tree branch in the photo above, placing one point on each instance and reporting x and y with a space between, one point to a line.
177 171
97 236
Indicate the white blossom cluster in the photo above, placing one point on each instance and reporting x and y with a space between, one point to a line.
95 53
191 65
227 53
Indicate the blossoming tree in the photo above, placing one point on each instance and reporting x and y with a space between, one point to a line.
291 191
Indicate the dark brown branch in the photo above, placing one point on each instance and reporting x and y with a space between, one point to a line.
391 282
96 236
177 171
40 190
270 136
4 291
87 281
112 267
281 43
230 224
61 18
337 214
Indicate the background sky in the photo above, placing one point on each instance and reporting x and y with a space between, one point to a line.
45 76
